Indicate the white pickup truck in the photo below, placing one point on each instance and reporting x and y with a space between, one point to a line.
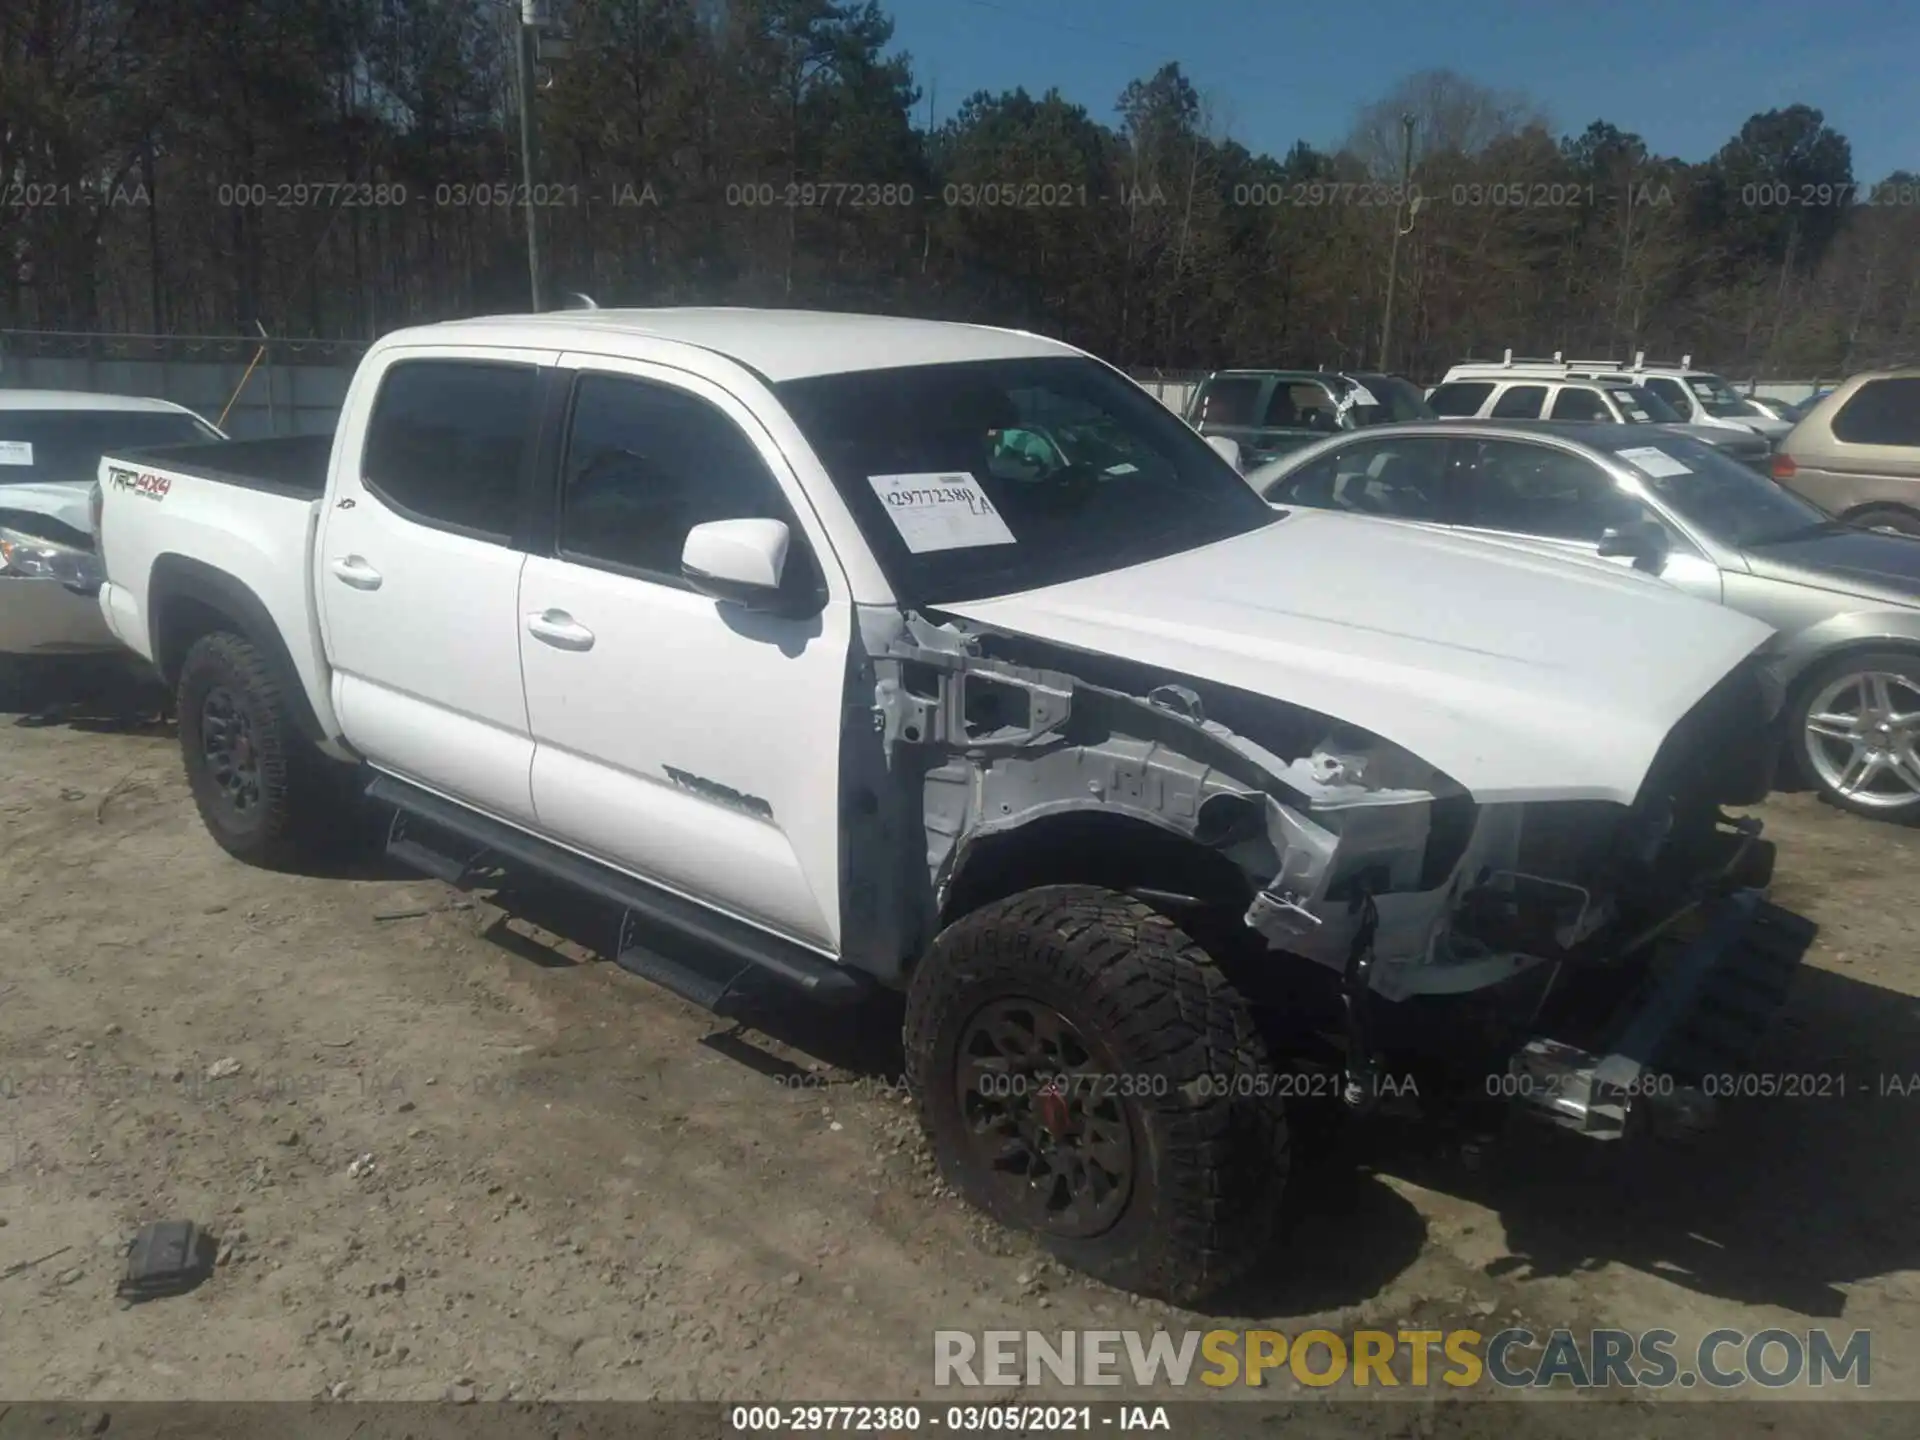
845 651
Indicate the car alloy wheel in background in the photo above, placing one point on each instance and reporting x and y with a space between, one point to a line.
1861 735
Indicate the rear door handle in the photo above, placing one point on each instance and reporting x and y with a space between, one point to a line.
354 571
559 629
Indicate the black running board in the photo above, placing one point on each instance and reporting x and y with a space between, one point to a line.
707 958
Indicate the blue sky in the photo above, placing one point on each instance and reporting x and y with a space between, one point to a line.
1684 75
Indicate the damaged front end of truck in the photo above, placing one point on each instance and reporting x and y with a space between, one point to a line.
1591 962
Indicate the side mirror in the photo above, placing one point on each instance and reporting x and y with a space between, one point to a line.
737 560
1645 542
1227 450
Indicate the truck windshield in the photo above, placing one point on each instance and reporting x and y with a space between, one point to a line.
67 444
1730 502
989 477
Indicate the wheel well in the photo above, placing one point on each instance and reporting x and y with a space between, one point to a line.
183 620
1872 505
1094 848
187 599
1811 672
1117 852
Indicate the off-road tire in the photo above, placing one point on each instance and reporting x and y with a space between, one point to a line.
1209 1164
298 814
1898 662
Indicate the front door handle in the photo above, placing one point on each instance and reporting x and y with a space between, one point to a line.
354 571
559 629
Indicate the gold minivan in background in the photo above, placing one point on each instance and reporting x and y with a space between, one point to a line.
1857 452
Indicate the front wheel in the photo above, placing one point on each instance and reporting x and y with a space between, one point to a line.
1857 731
1086 1073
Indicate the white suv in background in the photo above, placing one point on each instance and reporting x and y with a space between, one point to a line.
1614 402
1697 397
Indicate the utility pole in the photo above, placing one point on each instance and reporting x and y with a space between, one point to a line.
525 34
1393 255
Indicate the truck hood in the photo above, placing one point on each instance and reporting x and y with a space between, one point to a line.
1522 676
69 502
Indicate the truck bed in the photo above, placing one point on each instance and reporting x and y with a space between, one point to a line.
290 465
230 525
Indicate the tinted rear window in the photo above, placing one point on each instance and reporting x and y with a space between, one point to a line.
1881 412
1385 399
1230 401
1462 397
448 441
1522 402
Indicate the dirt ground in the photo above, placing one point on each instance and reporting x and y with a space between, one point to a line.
448 1151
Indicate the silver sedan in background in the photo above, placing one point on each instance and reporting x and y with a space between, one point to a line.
1846 600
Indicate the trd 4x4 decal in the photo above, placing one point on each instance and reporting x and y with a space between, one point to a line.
153 487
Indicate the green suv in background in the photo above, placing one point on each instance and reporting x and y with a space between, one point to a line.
1270 413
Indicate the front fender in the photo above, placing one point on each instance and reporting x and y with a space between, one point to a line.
1867 628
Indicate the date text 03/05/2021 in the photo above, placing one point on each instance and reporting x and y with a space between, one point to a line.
948 1419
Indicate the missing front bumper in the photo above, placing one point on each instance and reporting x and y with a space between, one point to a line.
1701 1014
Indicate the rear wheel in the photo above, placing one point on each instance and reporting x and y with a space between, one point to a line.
1086 1073
1857 731
261 789
1887 517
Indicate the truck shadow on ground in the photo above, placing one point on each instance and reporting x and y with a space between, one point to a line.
1346 1234
1793 1197
1788 1201
85 693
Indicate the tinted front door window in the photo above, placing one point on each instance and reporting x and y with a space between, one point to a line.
1402 478
1574 403
1463 397
1673 392
1538 490
645 464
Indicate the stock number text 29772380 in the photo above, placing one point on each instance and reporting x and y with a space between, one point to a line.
975 1419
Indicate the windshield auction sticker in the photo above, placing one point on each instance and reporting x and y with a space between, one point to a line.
1653 460
16 452
940 510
